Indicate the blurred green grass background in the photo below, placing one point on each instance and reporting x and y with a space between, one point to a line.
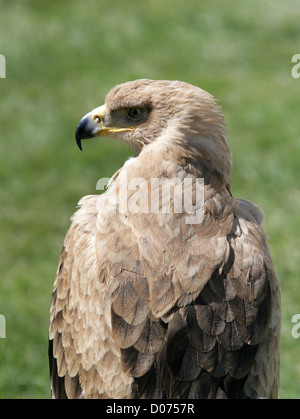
61 60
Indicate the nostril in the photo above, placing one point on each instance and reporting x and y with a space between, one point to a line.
97 119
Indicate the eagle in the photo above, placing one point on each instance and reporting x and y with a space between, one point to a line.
165 287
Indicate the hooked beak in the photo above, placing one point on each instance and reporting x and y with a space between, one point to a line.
92 125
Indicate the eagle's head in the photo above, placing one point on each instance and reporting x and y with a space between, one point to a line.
173 113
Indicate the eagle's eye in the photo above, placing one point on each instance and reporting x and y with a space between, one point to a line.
135 113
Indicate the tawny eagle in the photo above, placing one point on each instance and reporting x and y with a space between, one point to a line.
158 299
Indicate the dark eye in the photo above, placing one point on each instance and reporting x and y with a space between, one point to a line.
135 113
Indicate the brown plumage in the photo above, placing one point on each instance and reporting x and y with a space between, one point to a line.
147 304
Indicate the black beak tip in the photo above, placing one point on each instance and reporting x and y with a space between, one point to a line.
78 139
81 131
85 129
